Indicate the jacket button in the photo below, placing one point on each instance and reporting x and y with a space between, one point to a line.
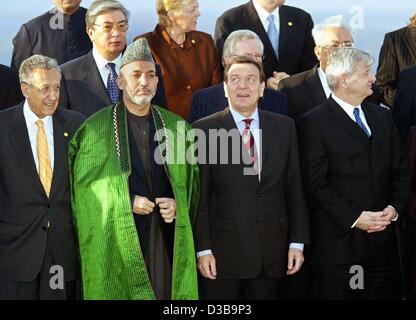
48 205
188 87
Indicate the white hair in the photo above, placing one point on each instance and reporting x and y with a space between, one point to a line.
318 32
34 62
236 36
343 61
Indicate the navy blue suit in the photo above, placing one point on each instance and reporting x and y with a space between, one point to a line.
210 100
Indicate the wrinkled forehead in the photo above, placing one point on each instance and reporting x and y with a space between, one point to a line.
43 77
139 66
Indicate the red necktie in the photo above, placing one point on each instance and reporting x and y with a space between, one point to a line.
249 144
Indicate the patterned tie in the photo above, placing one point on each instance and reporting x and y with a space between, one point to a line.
249 144
45 168
112 87
273 35
358 120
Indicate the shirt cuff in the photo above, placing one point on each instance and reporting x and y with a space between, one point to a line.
397 217
298 246
203 253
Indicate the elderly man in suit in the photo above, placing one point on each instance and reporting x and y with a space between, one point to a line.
356 177
308 89
285 32
252 221
38 251
212 99
58 33
10 93
89 83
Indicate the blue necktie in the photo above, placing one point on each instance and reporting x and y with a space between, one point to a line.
273 35
112 82
358 120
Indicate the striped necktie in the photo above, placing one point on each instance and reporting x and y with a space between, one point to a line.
112 87
44 161
249 144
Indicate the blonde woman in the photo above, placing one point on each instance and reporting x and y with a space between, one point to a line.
187 57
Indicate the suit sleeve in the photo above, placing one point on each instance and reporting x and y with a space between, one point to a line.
63 95
308 60
411 151
160 98
222 30
195 107
295 199
404 106
216 73
401 180
14 93
289 103
387 71
202 221
22 48
315 164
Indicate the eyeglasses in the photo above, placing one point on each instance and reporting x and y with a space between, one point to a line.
109 27
347 44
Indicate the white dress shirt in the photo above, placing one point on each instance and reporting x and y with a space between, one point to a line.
324 82
263 15
255 130
32 130
101 65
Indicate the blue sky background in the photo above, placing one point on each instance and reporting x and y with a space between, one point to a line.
379 17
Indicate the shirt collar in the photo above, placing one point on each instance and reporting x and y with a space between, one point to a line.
31 118
263 14
345 105
101 62
238 117
324 82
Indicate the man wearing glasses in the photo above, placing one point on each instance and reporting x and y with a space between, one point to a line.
89 83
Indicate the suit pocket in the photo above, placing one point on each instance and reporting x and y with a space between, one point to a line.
10 231
223 224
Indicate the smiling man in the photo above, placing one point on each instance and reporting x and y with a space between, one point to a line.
37 237
252 221
133 213
59 34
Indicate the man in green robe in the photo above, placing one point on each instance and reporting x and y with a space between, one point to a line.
135 189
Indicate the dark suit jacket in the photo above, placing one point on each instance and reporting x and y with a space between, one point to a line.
346 173
212 99
305 91
404 106
83 90
295 43
26 209
246 223
10 93
64 43
397 52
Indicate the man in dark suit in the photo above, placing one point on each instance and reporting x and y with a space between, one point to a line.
404 106
252 221
291 53
10 93
89 82
212 99
38 251
308 89
58 33
356 177
397 53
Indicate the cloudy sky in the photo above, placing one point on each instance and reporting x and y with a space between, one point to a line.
369 19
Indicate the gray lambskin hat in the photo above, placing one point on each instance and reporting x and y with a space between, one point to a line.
139 50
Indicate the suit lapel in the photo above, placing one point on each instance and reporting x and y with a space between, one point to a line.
314 87
375 127
410 40
21 144
348 124
93 78
60 141
284 33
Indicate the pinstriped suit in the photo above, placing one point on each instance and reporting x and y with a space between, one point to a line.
397 52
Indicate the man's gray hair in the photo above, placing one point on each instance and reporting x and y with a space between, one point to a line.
36 61
318 32
236 36
343 61
100 7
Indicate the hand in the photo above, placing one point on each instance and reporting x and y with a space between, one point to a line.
207 266
273 82
142 205
371 221
167 208
295 260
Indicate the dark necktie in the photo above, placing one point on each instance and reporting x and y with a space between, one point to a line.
112 87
